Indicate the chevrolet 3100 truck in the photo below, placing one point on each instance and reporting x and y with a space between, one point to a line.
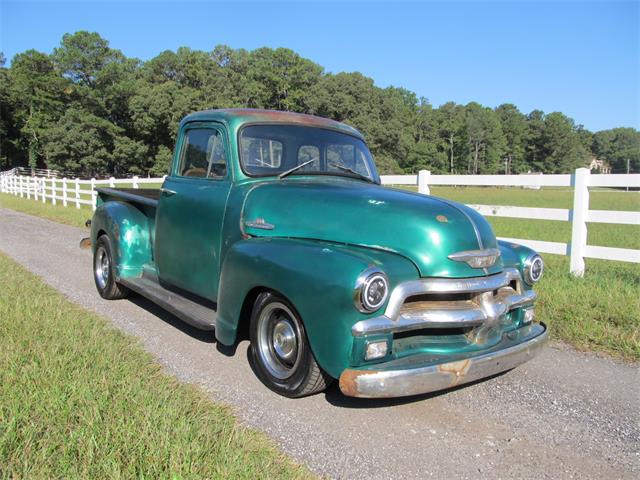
274 226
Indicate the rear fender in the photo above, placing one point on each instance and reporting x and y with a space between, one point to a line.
318 278
129 230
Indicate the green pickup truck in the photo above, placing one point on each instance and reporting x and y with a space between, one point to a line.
273 226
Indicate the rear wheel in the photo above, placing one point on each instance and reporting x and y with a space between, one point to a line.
280 351
103 273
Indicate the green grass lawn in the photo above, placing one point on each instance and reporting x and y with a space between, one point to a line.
69 216
598 312
601 234
79 399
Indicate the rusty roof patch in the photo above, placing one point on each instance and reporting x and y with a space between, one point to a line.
250 115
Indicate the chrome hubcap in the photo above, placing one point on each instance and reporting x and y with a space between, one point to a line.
284 340
101 267
278 340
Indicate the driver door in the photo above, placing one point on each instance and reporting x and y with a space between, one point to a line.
191 212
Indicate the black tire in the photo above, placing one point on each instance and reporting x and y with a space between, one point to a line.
103 273
286 366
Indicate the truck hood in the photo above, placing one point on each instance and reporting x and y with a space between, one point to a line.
422 228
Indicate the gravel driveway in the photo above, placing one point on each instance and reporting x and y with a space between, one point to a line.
563 415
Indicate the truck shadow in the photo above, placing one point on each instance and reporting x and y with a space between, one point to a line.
335 397
206 336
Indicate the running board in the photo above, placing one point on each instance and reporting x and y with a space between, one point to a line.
194 313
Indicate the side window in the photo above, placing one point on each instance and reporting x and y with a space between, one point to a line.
203 154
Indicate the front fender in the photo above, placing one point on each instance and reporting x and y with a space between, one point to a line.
318 278
514 255
129 230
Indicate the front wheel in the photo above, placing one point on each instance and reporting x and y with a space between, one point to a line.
103 273
280 352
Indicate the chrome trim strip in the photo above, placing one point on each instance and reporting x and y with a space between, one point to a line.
259 224
467 256
431 378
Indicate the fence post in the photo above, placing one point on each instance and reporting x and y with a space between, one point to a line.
20 186
135 182
112 182
53 191
423 182
28 189
44 191
579 216
64 191
94 194
77 192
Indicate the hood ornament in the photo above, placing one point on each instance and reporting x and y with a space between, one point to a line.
477 258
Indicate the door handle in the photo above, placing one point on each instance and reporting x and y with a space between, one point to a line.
167 192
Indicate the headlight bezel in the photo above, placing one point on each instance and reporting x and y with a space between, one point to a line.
529 269
363 283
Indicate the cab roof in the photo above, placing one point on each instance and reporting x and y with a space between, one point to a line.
237 117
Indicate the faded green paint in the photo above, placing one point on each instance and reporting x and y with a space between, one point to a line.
326 231
130 230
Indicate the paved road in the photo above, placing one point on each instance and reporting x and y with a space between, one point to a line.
564 415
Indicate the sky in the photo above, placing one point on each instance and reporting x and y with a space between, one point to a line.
578 57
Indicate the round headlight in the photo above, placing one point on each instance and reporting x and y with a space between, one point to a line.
533 269
372 289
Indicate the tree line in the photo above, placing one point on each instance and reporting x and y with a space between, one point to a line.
88 110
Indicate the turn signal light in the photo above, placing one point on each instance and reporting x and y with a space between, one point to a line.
375 350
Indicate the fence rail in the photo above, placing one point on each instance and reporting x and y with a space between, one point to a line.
76 192
71 192
580 182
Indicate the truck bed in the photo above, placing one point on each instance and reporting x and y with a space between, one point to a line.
145 196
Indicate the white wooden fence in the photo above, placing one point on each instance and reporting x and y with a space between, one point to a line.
77 192
74 192
579 216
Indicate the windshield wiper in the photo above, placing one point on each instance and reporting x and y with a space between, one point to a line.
296 168
347 169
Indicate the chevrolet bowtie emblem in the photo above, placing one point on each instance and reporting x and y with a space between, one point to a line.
477 258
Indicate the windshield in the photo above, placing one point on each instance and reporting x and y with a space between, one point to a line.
276 149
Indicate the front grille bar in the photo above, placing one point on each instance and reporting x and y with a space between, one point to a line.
487 306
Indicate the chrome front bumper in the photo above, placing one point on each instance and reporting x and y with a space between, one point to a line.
402 382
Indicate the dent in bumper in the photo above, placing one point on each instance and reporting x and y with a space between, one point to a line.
430 378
